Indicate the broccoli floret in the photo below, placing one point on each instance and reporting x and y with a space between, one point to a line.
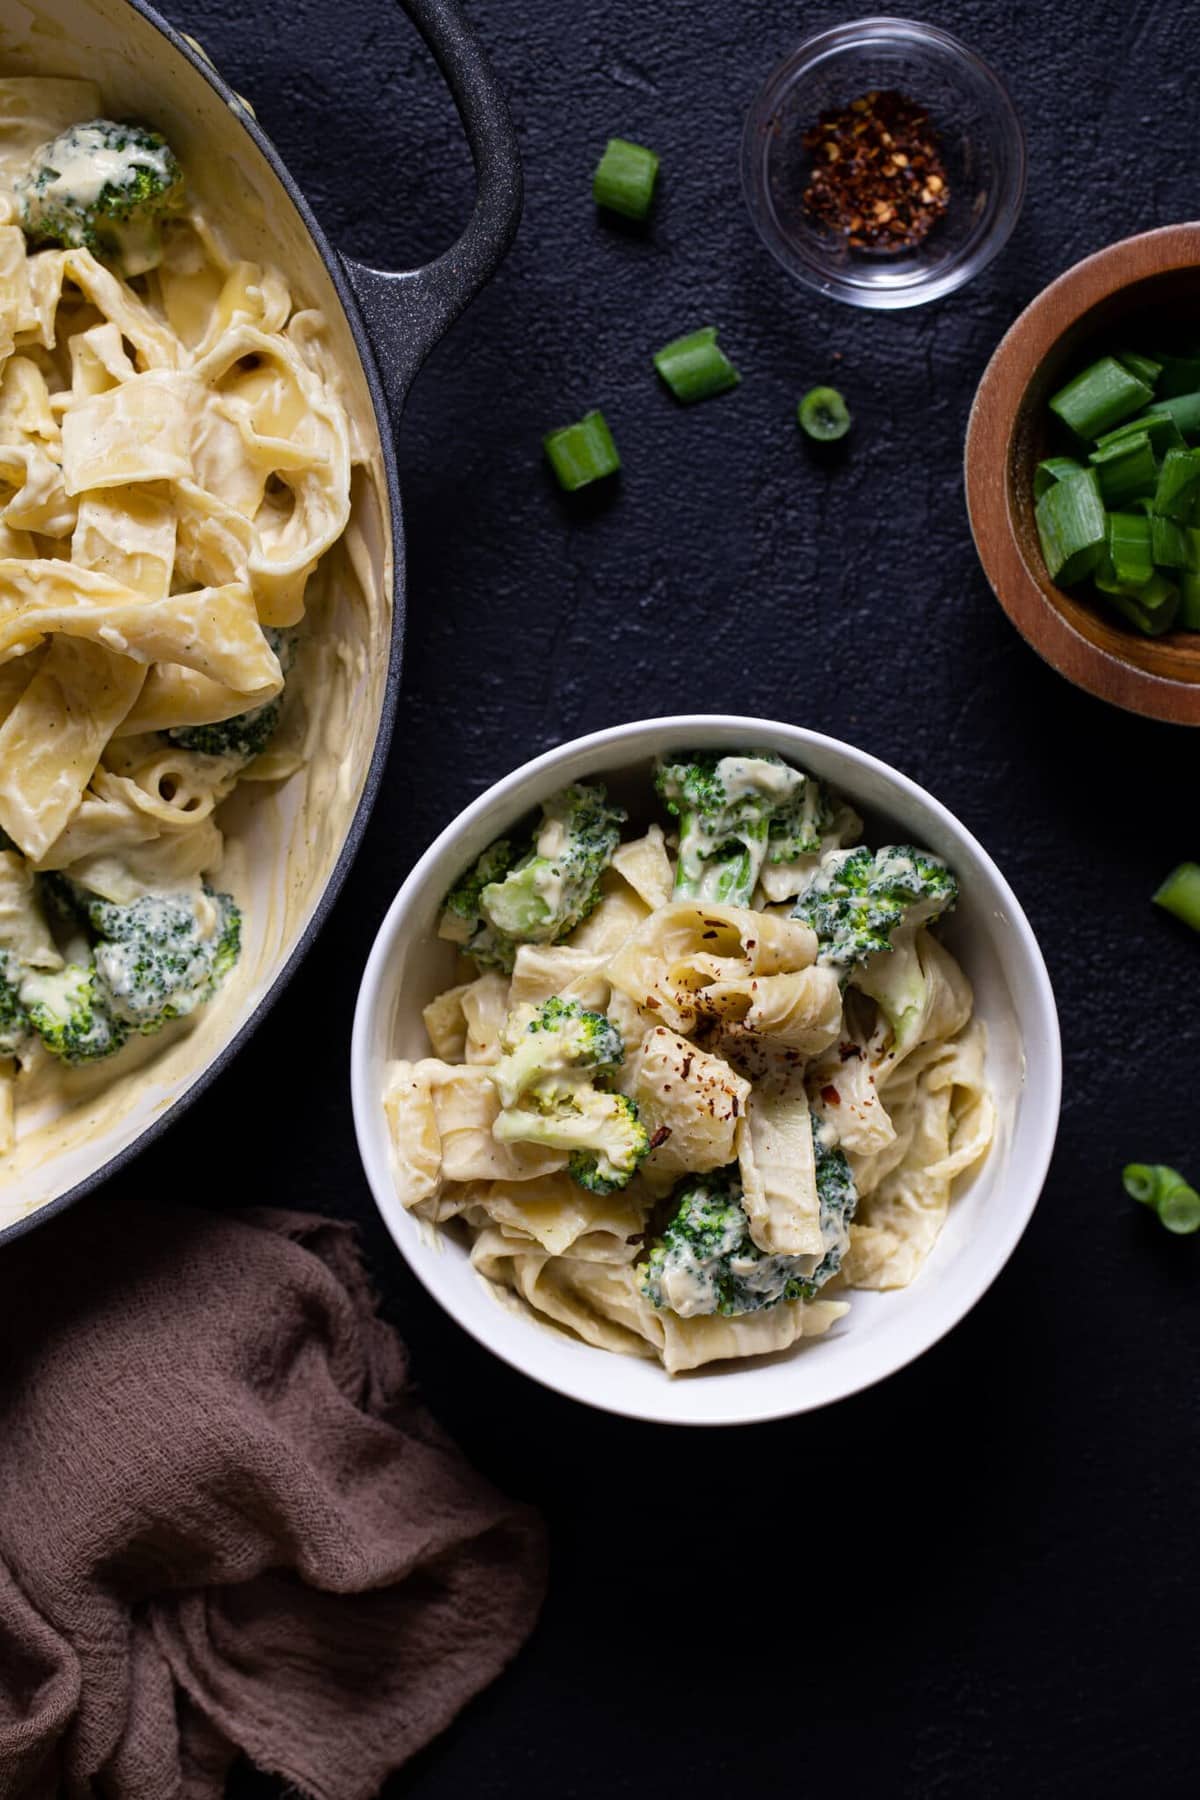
247 734
838 1198
102 187
242 736
462 918
621 1143
14 1020
556 1054
556 1038
72 1013
602 1133
798 826
898 985
858 897
163 955
535 893
549 891
707 1262
735 813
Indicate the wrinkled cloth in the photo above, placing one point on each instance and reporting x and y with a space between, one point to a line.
226 1522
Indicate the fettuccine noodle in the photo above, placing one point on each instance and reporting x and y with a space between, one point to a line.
175 460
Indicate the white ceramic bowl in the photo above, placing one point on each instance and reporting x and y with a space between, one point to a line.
988 931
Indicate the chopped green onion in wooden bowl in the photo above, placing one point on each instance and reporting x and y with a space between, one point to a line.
1119 503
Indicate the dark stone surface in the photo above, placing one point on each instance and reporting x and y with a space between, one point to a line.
974 1580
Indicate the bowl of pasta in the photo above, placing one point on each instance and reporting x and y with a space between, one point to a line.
706 1070
201 564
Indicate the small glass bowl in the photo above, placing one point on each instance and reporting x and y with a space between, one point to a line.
979 137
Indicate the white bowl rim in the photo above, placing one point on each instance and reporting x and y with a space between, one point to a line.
1046 1099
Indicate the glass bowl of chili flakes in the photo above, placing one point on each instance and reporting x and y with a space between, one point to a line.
883 163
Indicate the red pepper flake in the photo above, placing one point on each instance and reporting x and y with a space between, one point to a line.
653 1004
658 1140
830 1096
877 176
687 1066
708 934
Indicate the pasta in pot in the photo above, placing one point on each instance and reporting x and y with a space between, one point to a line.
175 461
737 1075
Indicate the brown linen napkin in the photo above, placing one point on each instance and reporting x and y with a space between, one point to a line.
225 1520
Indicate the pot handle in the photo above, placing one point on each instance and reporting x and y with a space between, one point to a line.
407 311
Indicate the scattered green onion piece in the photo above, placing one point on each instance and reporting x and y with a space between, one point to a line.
625 177
582 453
1144 367
1179 375
1151 608
1158 423
1177 483
1072 528
1180 894
1100 398
1179 1210
1125 469
1184 409
1164 1189
1129 548
1168 546
1141 1182
1188 616
1052 469
695 367
823 415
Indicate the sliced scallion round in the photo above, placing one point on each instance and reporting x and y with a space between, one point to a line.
1129 548
1052 469
1180 894
823 414
582 453
695 367
1163 1188
1099 398
1072 527
1141 1182
1152 608
1180 1210
1144 367
625 178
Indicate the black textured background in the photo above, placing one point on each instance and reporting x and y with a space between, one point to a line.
979 1578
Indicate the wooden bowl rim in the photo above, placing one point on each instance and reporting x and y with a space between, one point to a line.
994 413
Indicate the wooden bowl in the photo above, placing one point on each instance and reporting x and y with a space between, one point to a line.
1152 281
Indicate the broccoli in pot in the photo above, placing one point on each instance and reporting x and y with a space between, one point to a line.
104 187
